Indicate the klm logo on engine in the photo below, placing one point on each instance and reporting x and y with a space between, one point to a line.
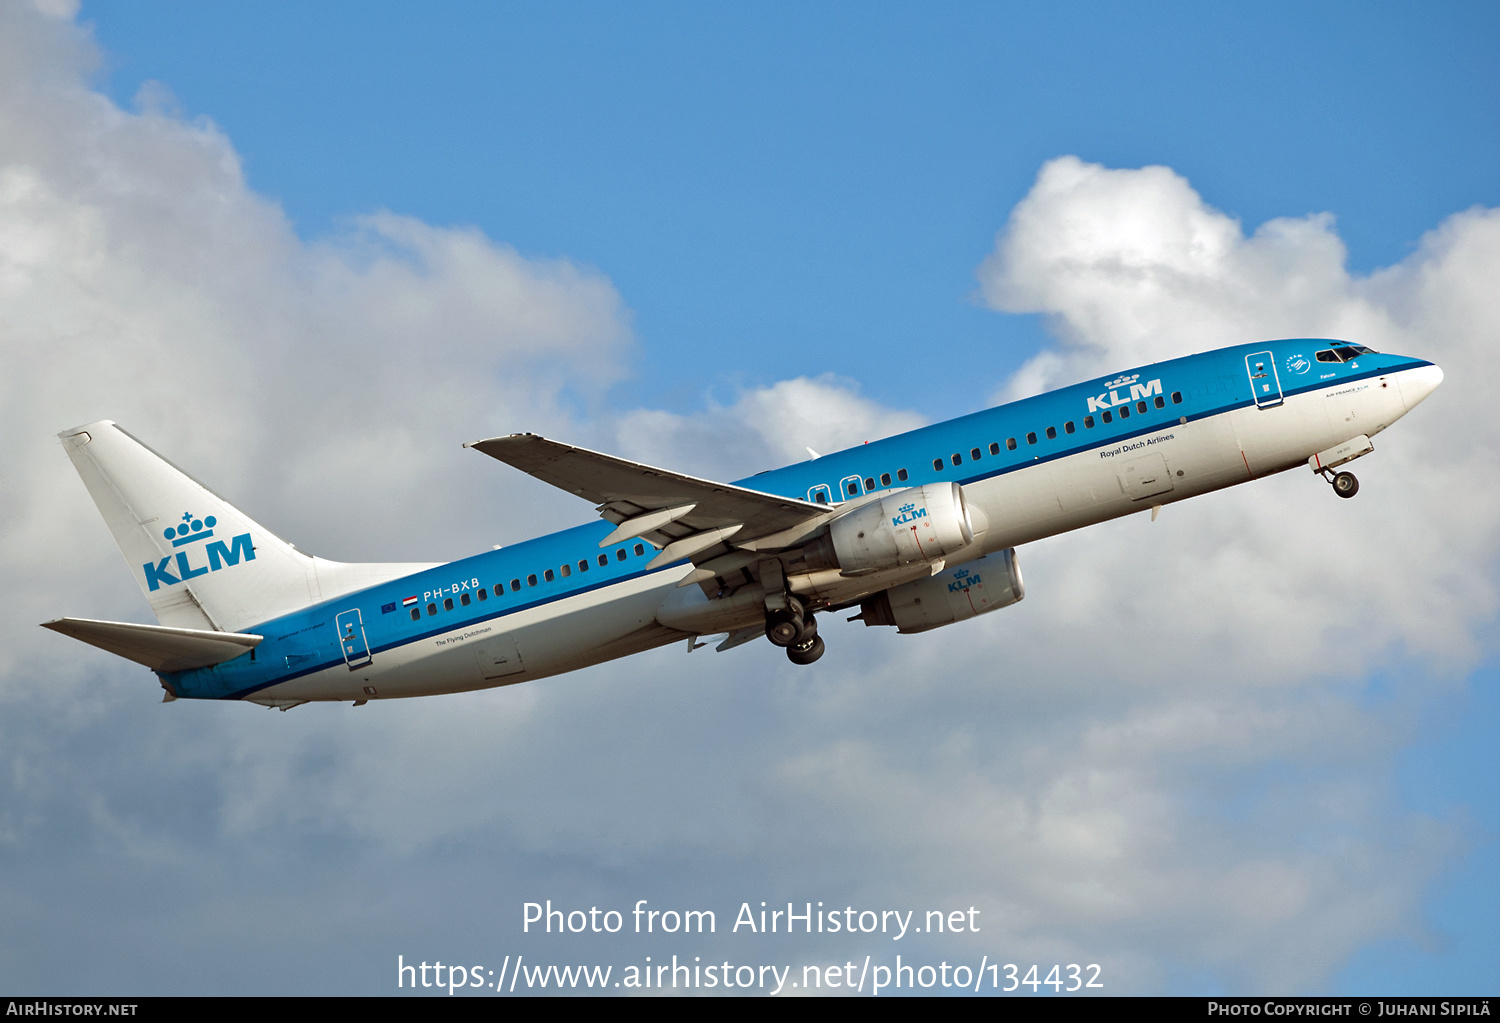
218 554
1113 397
964 579
909 513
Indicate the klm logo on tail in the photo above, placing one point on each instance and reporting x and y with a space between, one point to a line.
191 531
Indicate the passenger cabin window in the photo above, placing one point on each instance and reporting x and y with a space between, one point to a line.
416 614
1140 407
583 566
566 570
1176 397
853 489
483 595
1107 417
640 549
870 483
620 554
447 603
1068 426
547 575
1010 444
531 580
1052 433
1088 422
957 458
463 598
1124 412
1031 438
901 475
432 609
603 560
994 448
937 465
974 454
885 479
515 584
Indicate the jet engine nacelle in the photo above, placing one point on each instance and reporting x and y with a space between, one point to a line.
953 595
917 525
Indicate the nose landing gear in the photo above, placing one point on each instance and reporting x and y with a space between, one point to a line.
1344 483
1324 462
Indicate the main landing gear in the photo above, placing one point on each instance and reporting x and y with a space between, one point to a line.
796 630
1344 484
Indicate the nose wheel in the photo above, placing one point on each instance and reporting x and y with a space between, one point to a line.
1344 484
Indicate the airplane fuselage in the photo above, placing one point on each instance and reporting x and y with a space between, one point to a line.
1028 469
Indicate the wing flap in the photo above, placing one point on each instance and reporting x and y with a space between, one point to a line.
158 647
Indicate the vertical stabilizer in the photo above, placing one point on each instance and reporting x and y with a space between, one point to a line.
200 561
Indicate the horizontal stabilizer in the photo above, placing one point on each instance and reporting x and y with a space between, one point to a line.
156 646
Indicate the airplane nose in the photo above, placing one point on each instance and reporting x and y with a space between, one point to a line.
1417 384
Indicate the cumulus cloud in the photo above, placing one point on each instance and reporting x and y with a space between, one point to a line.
1160 761
765 428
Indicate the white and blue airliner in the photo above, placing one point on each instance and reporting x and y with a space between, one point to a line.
915 531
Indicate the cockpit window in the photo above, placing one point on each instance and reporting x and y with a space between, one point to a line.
1343 353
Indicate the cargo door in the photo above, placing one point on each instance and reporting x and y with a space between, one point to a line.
1146 476
498 657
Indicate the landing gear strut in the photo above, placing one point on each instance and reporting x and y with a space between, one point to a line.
791 627
1344 483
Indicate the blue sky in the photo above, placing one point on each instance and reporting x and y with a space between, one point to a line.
724 233
807 182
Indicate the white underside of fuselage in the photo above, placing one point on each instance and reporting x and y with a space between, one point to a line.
1177 461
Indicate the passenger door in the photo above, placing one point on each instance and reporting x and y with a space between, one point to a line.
1265 385
352 640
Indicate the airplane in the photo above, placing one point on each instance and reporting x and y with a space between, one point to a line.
916 531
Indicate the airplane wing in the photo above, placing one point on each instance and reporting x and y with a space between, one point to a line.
685 516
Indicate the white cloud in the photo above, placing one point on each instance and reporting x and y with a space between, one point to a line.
765 428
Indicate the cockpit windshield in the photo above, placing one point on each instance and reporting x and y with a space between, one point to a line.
1344 353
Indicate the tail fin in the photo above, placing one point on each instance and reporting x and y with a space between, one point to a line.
201 562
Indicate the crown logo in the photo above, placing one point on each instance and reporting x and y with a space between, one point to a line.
906 508
191 530
1121 381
